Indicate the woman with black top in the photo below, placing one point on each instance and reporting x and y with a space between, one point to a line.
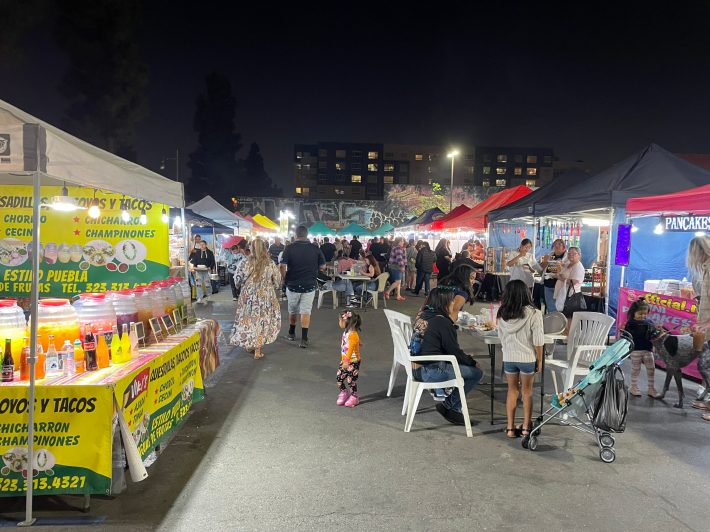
435 327
460 283
443 257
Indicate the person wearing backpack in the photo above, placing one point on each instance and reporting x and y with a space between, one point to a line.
434 333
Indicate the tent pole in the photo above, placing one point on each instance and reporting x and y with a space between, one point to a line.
186 252
610 239
29 520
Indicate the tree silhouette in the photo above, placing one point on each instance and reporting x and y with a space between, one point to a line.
107 78
256 181
214 164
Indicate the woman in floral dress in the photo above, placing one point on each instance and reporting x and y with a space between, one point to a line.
258 319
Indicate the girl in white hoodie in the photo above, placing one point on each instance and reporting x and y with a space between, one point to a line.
522 338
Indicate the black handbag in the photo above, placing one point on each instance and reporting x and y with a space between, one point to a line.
574 303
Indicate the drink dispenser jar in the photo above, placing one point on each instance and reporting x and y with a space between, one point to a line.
144 304
95 310
169 297
157 300
126 307
57 317
13 326
179 296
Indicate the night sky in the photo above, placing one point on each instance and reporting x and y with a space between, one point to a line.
594 83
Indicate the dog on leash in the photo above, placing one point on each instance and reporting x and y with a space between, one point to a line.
678 352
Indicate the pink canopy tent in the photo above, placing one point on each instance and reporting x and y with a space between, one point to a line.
477 217
693 201
438 225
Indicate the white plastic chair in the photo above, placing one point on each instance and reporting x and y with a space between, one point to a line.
322 292
400 321
415 388
587 339
381 281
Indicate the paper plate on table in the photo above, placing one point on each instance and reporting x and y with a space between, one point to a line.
131 251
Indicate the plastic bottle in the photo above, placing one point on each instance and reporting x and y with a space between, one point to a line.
133 338
69 366
68 346
115 351
101 351
24 363
51 364
90 360
125 344
40 361
79 358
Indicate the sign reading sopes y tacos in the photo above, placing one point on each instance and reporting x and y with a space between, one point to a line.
79 253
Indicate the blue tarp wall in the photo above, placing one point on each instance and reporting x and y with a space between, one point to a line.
656 256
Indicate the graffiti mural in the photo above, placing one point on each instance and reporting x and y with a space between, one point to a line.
400 204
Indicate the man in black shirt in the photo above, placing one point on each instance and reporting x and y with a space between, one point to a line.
328 250
551 264
202 260
355 247
300 264
275 249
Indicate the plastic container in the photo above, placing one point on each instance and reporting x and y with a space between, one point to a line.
57 317
169 297
13 326
95 310
157 300
145 306
124 303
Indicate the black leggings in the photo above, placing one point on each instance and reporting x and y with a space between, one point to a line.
348 374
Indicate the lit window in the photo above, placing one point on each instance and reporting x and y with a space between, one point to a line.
356 154
502 158
322 153
529 182
500 170
356 178
389 179
486 183
389 167
500 182
532 159
340 166
518 170
298 190
341 154
373 155
299 155
306 190
419 157
531 171
547 159
486 170
307 166
298 166
372 167
519 158
322 164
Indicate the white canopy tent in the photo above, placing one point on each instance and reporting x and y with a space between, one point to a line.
35 152
211 208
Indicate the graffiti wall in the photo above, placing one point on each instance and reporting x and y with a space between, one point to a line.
401 203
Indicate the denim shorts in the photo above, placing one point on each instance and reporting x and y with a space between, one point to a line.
395 275
526 368
300 302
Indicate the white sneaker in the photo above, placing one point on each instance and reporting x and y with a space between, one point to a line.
199 300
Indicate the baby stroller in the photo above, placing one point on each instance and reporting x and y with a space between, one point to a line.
596 405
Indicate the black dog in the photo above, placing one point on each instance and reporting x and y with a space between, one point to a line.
677 352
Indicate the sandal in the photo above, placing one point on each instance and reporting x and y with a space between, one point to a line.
706 417
387 295
257 357
514 430
400 298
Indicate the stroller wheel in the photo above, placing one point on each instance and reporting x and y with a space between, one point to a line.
532 443
607 455
607 440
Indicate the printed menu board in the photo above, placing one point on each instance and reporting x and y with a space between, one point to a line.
79 253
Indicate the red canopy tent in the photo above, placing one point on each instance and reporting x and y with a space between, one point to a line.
477 217
438 225
693 201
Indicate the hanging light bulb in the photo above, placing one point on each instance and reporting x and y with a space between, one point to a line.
178 221
634 229
164 216
144 217
659 230
125 215
64 202
94 209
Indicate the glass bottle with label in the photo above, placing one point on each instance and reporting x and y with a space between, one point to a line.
8 364
52 362
90 358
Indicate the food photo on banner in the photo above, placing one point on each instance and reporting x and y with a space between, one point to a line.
125 246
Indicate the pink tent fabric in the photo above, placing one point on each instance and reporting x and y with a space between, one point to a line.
438 225
693 201
477 217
